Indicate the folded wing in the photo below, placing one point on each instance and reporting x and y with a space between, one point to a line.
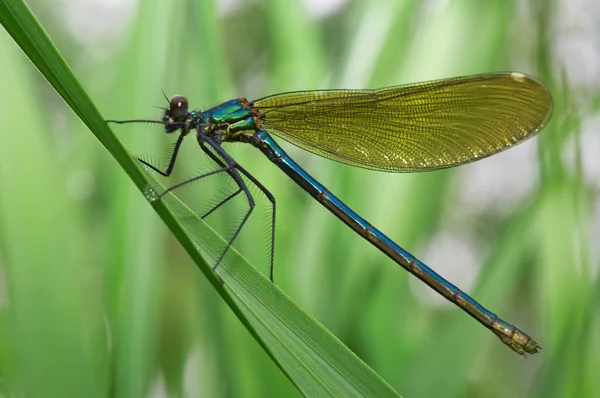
415 127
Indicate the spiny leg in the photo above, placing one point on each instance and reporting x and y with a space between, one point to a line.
264 190
232 164
217 160
170 127
271 198
242 186
221 203
169 170
180 184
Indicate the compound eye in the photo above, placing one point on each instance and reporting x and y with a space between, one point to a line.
178 108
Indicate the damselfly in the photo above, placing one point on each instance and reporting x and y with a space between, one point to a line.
415 127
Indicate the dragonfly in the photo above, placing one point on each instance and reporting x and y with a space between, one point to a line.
415 127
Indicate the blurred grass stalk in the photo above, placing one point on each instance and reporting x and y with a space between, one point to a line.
46 316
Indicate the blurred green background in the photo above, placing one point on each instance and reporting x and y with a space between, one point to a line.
97 297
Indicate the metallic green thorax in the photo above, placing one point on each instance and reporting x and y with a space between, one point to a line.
230 120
